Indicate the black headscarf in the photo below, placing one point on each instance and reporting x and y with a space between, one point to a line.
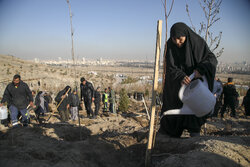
178 30
181 62
66 89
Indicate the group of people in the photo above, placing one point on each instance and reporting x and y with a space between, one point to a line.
225 93
228 98
20 100
187 53
89 95
67 101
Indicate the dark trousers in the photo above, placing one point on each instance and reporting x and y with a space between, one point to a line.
247 111
87 103
173 125
112 108
39 111
216 108
64 114
14 113
231 106
97 107
46 105
105 109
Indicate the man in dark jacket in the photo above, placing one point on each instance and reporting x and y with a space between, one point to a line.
63 97
230 97
97 100
87 93
18 96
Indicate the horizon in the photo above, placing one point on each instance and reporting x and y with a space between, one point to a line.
108 59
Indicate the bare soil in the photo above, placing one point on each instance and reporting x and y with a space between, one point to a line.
120 140
112 140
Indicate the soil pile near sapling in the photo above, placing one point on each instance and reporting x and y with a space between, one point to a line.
226 143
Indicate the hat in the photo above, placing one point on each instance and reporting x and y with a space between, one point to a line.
82 79
229 79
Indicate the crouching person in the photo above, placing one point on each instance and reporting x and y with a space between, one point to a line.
62 100
18 96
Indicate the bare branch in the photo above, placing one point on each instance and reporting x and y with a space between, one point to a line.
163 4
165 8
203 28
217 4
214 22
187 10
204 9
213 18
170 8
218 54
166 17
211 9
218 43
210 35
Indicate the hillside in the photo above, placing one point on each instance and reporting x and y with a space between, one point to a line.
111 140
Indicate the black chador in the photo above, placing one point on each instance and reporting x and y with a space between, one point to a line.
181 62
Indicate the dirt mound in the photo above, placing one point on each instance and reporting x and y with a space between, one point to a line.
221 146
120 140
105 141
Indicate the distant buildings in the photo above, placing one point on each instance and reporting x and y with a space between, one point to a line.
99 61
237 68
240 68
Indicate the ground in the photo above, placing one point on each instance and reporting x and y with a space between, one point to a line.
121 140
113 140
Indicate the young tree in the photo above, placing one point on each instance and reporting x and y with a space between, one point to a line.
211 9
124 101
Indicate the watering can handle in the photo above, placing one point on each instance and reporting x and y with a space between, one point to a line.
193 78
183 87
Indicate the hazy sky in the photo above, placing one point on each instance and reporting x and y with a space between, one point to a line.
111 29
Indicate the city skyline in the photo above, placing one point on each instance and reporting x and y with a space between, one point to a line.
112 29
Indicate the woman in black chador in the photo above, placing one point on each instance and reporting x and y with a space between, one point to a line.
187 53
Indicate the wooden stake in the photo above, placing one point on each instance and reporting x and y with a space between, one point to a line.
146 107
155 86
155 128
79 122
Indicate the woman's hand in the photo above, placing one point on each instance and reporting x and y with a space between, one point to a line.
186 80
197 74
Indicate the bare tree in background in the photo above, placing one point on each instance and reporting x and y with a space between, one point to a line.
72 41
164 4
211 9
